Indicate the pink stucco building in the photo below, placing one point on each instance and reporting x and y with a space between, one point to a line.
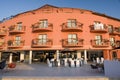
64 32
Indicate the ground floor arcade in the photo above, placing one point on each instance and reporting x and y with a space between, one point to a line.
42 56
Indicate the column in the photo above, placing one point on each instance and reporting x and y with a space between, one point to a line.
85 56
22 56
57 56
107 54
78 54
30 57
57 53
10 58
0 55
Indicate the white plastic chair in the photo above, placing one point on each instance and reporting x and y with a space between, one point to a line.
77 63
49 63
72 63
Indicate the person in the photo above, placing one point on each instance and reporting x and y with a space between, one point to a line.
102 60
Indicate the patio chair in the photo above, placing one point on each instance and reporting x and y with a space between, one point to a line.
72 63
49 63
77 63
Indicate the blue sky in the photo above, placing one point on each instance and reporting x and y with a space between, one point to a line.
13 7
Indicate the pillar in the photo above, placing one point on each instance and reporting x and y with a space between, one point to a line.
22 56
78 54
57 54
30 57
0 56
10 58
107 54
85 56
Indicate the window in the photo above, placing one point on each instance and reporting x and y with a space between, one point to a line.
98 25
71 23
72 39
98 39
110 29
19 26
42 39
17 40
112 41
43 24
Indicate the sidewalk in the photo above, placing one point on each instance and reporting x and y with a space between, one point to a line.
42 70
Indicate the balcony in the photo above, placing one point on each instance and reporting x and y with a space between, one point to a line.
15 43
76 28
3 32
41 43
42 28
72 43
116 45
114 31
100 43
2 45
16 29
100 29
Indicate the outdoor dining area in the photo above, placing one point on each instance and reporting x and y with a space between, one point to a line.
65 62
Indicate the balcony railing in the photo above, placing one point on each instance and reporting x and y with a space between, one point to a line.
16 29
116 44
15 43
100 43
3 32
41 43
98 29
76 27
114 31
72 42
38 27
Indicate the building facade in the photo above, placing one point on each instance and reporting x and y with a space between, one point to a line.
51 31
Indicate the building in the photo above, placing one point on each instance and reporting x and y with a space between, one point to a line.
51 31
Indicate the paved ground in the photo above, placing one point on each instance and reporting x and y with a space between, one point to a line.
42 70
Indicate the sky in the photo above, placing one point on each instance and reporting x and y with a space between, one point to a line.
12 7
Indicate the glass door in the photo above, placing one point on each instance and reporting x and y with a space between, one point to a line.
42 39
19 26
43 24
98 39
17 40
72 39
71 23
